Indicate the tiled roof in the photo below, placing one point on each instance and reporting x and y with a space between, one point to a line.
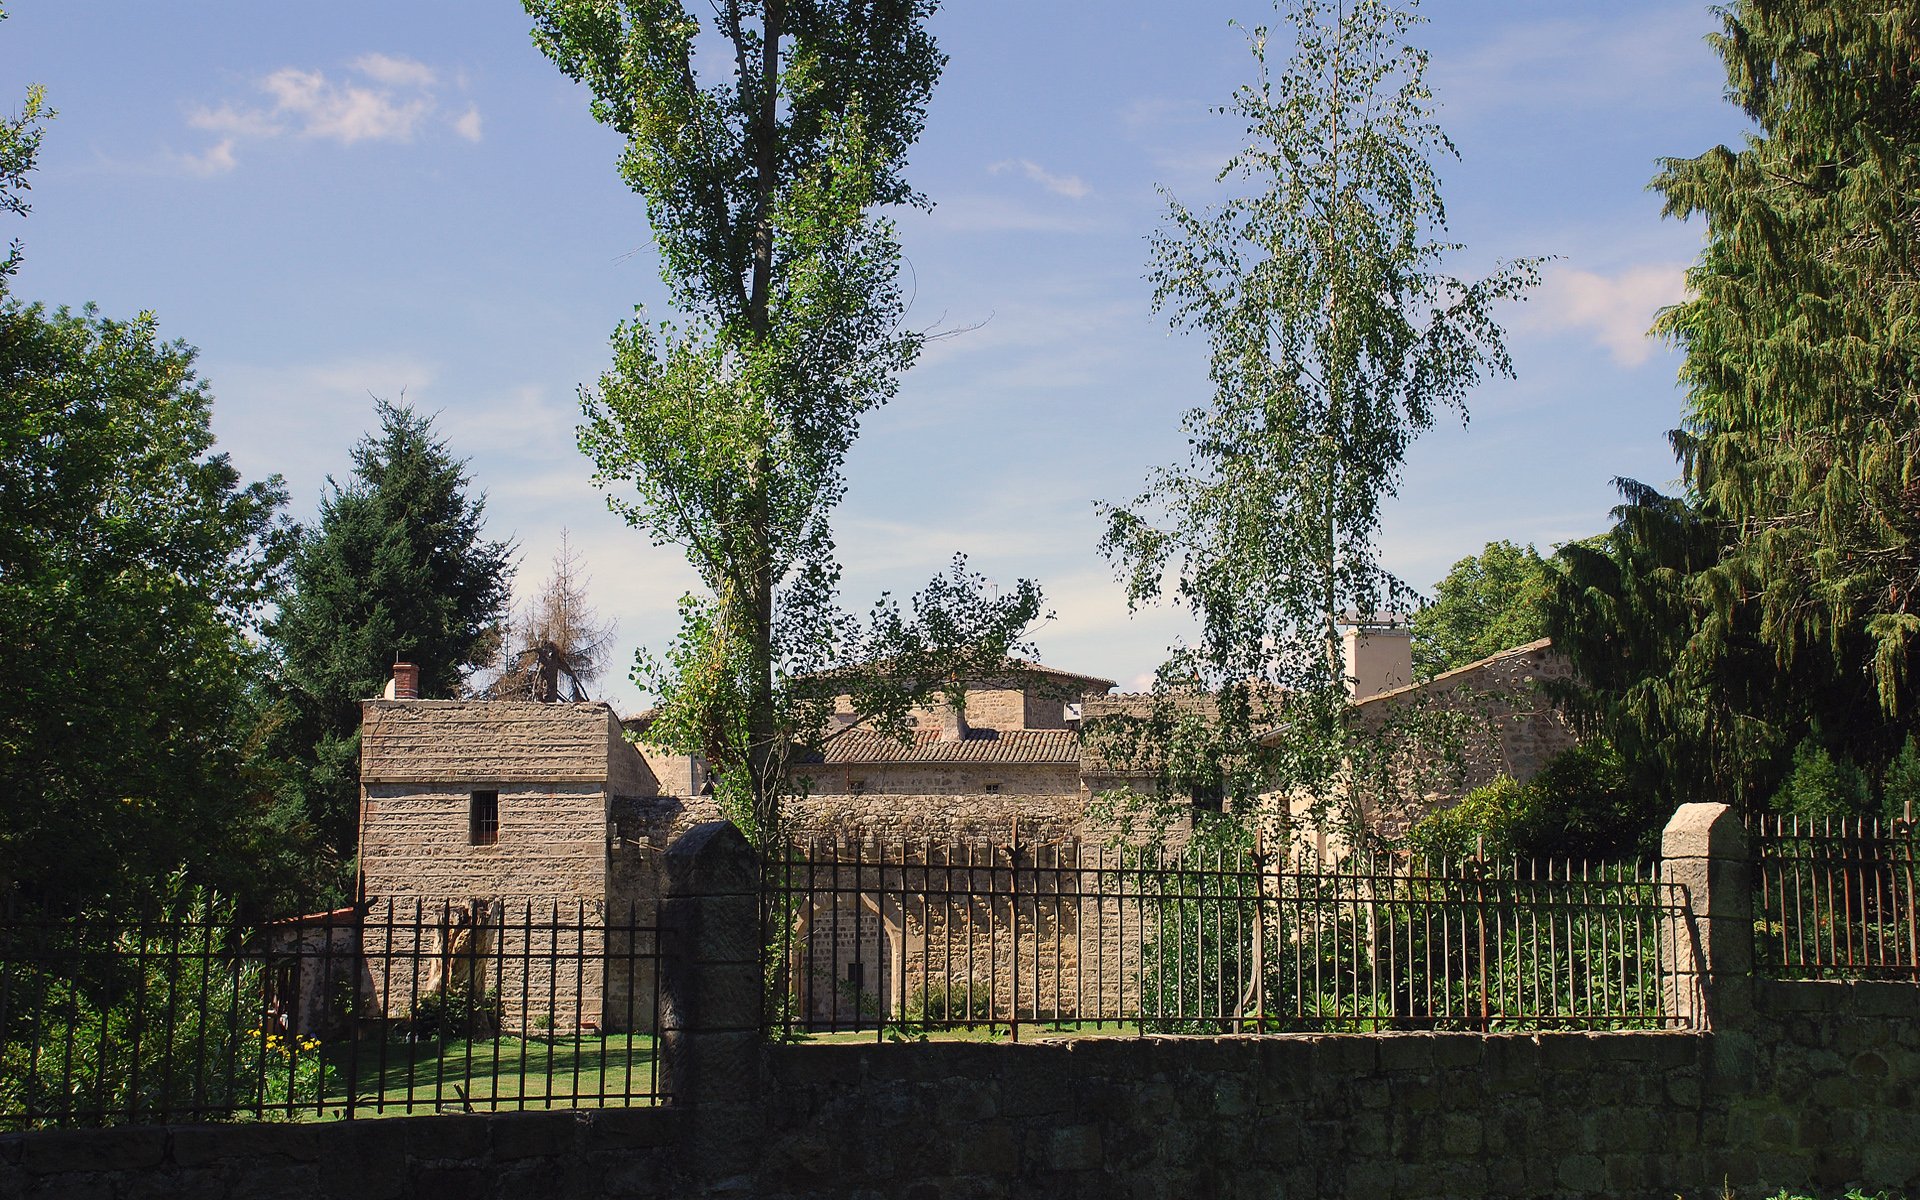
980 746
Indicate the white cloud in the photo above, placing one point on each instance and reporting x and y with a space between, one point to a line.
216 159
1070 186
379 98
396 72
1616 310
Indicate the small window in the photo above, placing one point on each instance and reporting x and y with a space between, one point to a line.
483 818
857 974
993 789
856 786
1208 797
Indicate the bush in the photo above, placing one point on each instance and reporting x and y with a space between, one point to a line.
968 1002
455 1012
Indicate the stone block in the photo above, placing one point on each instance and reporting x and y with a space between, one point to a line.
1075 1148
197 1145
1411 1052
64 1151
988 1150
1582 1174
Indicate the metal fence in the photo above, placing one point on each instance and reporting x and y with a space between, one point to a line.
907 939
1835 898
404 1007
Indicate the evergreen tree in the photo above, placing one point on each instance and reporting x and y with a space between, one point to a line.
1490 602
1802 357
398 568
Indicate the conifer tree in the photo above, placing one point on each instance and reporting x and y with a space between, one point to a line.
1802 333
397 568
557 648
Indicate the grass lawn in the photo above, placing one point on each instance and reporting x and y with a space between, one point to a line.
393 1078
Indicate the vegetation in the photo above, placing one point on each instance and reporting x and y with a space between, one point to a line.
764 186
398 567
1490 602
557 647
1336 338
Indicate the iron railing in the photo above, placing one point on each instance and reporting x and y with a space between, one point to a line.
904 940
409 1006
1835 898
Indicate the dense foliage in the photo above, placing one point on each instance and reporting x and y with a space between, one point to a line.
134 563
1490 602
398 567
1801 333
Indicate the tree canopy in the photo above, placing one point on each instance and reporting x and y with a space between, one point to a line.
1802 427
134 563
1336 338
1489 602
765 140
398 567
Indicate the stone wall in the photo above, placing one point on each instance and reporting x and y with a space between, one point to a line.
1806 1086
1816 1095
939 801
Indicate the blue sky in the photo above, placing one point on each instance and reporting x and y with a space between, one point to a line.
341 201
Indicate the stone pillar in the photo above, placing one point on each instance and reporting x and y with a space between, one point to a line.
712 1056
1709 951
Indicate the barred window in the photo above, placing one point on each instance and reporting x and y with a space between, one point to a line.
483 818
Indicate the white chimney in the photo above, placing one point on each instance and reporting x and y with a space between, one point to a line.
1379 658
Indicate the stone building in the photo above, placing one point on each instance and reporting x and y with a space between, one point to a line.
493 833
479 818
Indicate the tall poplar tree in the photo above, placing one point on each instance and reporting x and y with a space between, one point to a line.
1337 337
766 137
1802 335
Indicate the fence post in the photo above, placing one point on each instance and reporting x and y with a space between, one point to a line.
711 1054
1708 951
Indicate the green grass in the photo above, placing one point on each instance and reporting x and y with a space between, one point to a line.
395 1078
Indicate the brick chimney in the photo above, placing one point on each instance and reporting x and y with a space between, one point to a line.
406 681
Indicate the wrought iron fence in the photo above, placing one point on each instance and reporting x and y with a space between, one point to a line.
908 939
1835 898
406 1006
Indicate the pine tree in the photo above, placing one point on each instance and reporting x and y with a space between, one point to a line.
397 568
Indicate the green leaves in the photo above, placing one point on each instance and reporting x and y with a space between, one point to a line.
134 566
1336 339
398 567
1803 421
761 168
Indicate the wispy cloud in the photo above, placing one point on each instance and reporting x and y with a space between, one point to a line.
377 98
1561 63
1070 186
1615 310
993 214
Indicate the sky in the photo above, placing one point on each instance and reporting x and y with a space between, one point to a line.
406 200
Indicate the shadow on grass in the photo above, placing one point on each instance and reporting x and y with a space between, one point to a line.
505 1074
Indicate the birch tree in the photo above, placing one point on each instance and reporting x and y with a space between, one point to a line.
1337 337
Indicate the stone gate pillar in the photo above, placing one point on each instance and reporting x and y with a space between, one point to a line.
1708 951
712 1057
